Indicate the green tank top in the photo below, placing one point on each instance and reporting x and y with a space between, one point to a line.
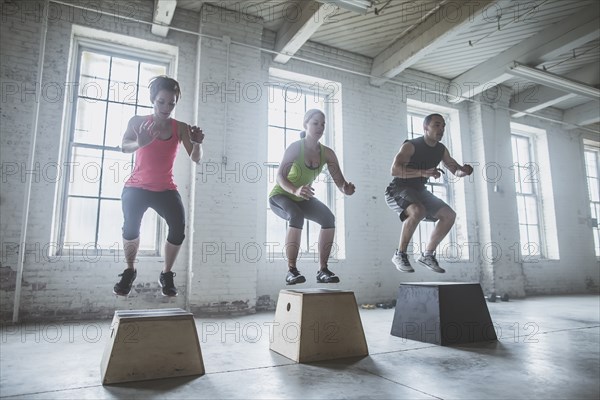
300 174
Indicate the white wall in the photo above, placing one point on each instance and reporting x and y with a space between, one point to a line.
230 199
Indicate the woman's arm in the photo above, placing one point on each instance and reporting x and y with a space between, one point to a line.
139 133
335 171
192 138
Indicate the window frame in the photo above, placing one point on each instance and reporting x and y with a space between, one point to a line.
536 195
594 205
89 40
309 86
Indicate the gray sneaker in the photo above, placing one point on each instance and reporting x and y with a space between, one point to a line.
401 262
431 263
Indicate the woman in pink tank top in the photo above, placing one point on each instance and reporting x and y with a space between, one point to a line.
155 139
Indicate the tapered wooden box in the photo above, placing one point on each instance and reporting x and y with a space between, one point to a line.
151 344
318 324
443 313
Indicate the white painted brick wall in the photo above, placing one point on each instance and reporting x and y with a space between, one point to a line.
231 212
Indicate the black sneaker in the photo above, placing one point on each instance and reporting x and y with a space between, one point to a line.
326 276
294 276
166 283
123 287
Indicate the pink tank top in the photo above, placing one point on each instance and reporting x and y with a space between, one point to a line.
153 169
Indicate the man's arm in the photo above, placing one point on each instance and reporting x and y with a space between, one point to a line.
454 167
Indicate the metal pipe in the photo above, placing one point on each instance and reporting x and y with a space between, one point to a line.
30 163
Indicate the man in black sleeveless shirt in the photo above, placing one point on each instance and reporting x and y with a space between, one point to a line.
415 163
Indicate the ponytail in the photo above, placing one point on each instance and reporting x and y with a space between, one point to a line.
302 134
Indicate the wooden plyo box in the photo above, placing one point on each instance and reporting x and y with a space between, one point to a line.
443 313
151 344
318 324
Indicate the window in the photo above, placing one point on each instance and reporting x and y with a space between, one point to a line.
111 88
287 105
526 184
439 187
592 168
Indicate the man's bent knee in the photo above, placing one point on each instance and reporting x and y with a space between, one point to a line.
446 214
416 210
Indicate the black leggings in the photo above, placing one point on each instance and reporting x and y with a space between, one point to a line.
167 204
296 211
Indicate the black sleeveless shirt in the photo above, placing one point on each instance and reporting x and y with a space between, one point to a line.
425 157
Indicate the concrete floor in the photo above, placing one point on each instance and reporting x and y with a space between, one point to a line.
548 348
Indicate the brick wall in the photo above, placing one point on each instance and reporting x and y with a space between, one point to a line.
230 267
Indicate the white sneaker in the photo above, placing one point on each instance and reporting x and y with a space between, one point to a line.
401 262
430 262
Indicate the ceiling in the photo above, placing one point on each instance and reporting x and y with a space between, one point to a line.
472 44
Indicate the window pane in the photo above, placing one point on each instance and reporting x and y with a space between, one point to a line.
523 150
533 241
148 232
85 172
116 123
528 178
312 245
115 171
522 213
513 141
523 239
89 122
109 230
277 108
313 100
520 177
276 228
294 115
594 189
591 164
291 135
124 74
276 146
82 214
93 77
531 207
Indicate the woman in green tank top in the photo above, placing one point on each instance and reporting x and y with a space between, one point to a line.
293 199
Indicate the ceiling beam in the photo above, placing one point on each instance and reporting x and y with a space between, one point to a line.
427 36
584 114
357 6
537 97
162 16
543 46
293 34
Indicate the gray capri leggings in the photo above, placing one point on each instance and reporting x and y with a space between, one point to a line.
295 211
167 204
